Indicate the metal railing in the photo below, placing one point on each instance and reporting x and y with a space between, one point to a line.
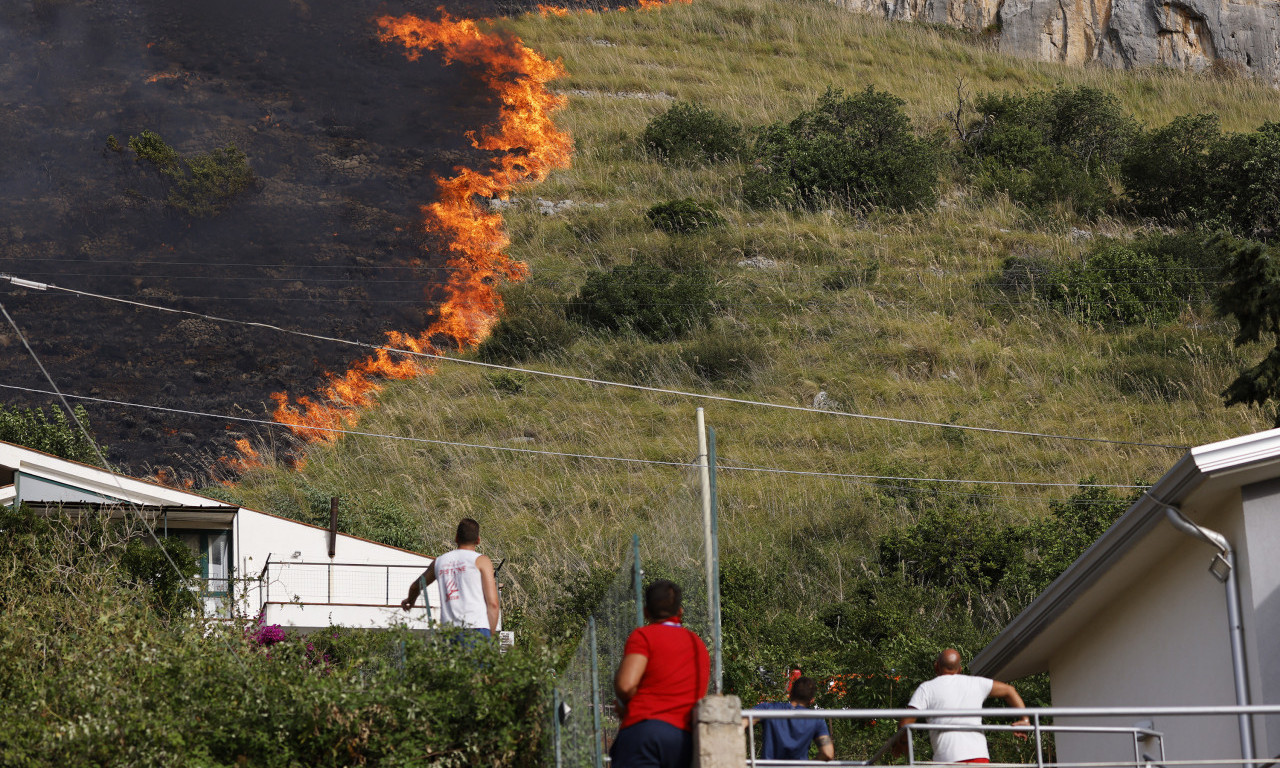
356 584
1140 734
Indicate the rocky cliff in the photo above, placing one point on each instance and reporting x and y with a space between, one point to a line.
1242 35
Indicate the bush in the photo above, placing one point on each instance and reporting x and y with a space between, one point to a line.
93 679
682 216
1117 284
202 185
1147 280
1059 147
1171 172
857 150
651 299
53 433
691 133
534 326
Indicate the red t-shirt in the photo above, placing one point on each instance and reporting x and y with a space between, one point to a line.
674 678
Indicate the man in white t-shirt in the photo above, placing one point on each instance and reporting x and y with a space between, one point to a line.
952 690
468 589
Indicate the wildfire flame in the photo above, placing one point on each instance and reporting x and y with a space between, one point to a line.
529 147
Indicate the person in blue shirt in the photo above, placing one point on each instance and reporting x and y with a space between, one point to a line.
789 739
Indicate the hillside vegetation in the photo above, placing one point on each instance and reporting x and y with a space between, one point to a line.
919 314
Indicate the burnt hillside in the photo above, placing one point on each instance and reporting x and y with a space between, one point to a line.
343 135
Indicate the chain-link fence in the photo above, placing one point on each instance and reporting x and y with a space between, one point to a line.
584 721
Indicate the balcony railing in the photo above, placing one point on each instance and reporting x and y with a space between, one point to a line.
1148 744
353 584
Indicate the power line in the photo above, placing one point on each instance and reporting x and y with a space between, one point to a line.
124 496
583 379
561 454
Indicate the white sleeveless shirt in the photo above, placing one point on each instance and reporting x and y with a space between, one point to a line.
461 589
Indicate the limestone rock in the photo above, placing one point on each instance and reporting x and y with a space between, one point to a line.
1227 35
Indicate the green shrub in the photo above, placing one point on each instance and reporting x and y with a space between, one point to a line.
53 433
1117 284
691 133
858 151
163 569
202 185
1059 147
1172 172
534 325
1256 212
92 678
1147 280
653 300
684 215
1189 172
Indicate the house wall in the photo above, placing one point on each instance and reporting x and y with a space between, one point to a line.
1164 642
1256 556
354 593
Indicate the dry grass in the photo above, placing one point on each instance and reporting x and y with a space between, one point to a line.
928 340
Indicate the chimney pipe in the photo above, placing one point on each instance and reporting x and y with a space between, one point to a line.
333 526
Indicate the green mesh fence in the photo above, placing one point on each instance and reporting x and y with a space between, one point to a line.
584 720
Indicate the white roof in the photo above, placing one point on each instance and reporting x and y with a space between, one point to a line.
113 486
1197 483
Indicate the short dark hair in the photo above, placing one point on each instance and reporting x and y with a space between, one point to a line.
468 532
662 599
803 690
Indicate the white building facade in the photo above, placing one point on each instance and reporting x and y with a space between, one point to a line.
1139 620
254 565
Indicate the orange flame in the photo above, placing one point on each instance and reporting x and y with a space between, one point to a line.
529 147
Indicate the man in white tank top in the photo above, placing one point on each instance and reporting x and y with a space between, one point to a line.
952 690
468 590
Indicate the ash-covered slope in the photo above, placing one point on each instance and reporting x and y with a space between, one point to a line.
343 134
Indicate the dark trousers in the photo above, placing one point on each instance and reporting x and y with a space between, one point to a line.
652 744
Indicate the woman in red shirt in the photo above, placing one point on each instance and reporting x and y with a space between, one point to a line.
664 672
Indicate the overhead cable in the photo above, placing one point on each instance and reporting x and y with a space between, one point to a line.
556 454
585 379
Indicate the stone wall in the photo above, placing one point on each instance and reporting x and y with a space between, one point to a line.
1240 35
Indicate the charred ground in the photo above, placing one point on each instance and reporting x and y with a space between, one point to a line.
343 135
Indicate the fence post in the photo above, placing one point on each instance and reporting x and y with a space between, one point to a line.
637 576
598 748
704 471
714 597
555 724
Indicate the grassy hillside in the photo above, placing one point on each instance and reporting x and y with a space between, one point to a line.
928 338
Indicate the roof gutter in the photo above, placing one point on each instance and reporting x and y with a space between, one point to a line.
1223 569
1143 517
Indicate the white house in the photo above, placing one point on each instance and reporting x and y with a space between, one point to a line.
1140 620
252 563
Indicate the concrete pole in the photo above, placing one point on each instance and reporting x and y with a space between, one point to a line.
704 470
717 733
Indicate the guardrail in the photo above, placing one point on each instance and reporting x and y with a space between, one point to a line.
1037 730
354 584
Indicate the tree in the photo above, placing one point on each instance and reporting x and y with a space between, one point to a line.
52 433
859 150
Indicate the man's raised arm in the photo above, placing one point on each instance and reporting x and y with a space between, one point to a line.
1010 695
428 576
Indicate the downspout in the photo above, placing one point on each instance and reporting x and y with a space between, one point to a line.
1223 569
